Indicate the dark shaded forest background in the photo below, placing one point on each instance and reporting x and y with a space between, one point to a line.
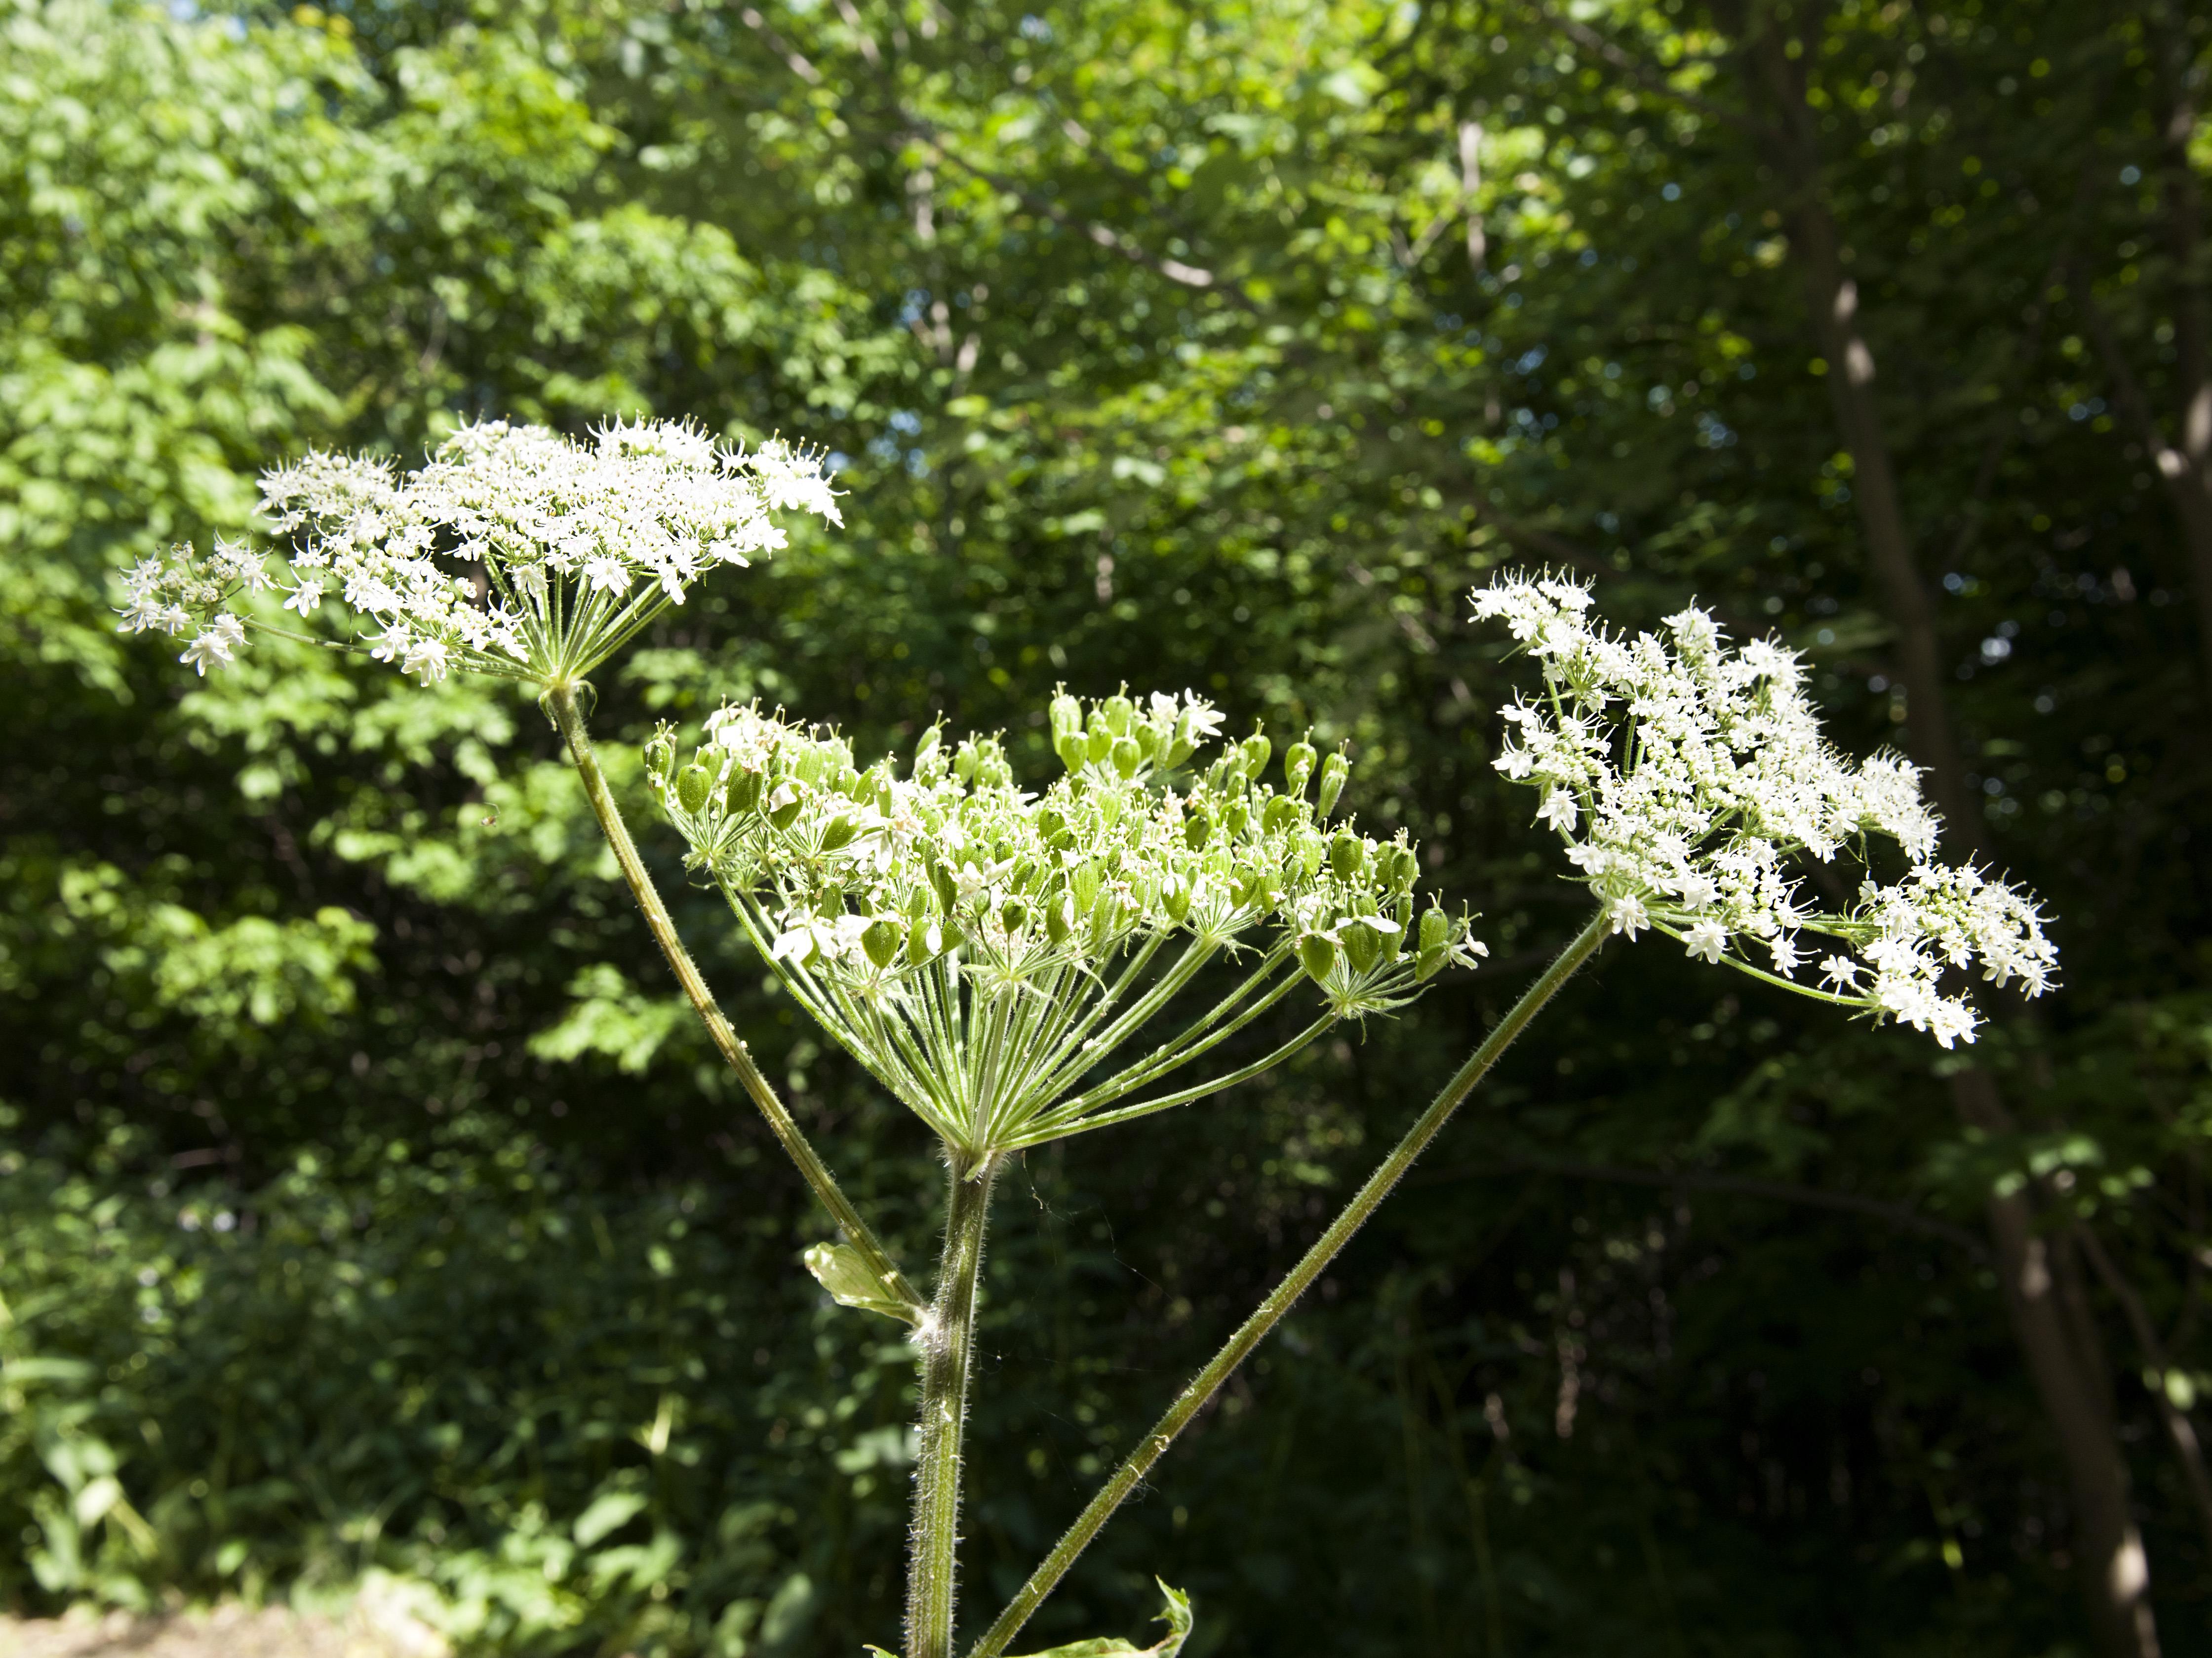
369 1201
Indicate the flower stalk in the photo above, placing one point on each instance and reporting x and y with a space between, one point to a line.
947 1339
1270 1312
561 704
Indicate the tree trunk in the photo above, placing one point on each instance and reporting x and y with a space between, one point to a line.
2064 1355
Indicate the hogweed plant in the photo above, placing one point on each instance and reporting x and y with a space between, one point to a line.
1018 966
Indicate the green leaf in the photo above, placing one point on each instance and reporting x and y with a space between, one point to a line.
845 1273
1176 1618
607 1513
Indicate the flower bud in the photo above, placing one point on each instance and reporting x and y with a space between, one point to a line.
1257 749
1127 756
1317 954
1347 855
1334 771
1297 765
882 939
1362 946
693 785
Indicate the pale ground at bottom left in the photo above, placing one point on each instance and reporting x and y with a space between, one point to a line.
375 1627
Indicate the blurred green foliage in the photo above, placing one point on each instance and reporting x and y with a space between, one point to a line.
1150 341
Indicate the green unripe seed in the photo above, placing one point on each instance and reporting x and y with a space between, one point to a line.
1427 965
1100 742
1174 898
1317 954
1345 856
1257 749
1127 756
693 784
1196 831
1297 765
1118 711
839 833
1400 868
744 790
882 940
1362 946
1436 931
1014 914
1281 814
1334 771
1069 746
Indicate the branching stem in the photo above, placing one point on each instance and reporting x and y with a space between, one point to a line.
1207 1381
561 703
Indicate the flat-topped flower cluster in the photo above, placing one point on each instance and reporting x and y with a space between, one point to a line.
1687 780
514 551
984 949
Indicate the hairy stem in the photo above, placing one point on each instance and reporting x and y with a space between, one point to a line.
561 703
1207 1382
945 1339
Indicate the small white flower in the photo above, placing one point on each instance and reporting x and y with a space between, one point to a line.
1840 972
1628 915
308 597
213 645
1783 947
1705 940
426 659
608 574
1559 810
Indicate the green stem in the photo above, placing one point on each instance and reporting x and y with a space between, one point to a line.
560 702
1207 1382
945 1339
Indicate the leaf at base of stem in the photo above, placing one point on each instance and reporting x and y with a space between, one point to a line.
1176 1618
